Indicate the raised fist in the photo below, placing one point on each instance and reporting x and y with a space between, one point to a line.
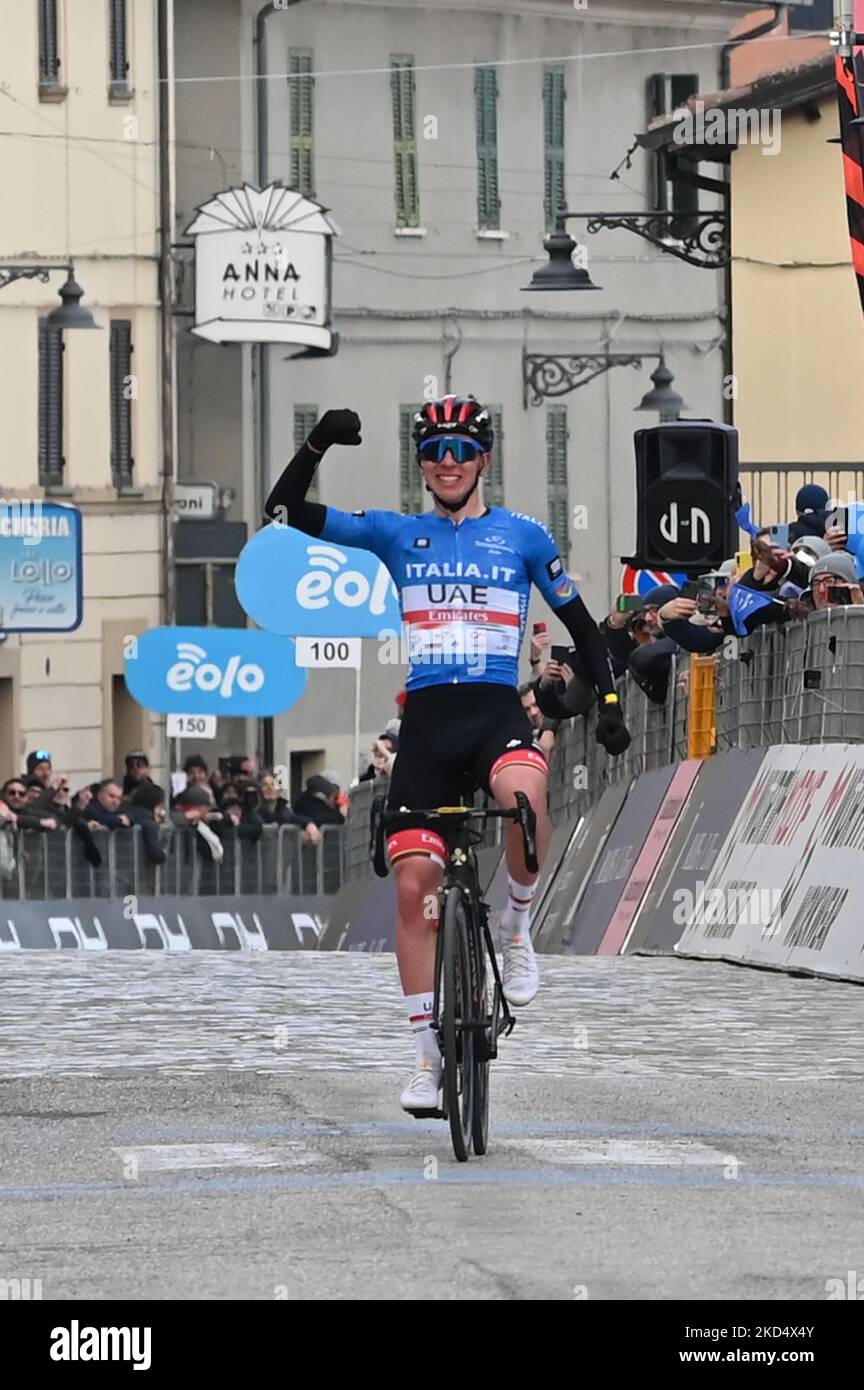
335 427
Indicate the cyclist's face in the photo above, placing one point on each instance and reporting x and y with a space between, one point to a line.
451 480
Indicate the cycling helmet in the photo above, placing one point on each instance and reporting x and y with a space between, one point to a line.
454 415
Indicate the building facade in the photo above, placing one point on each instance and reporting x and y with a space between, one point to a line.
82 413
445 140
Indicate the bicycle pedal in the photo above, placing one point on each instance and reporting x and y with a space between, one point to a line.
427 1114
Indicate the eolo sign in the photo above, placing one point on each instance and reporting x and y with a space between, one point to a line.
263 262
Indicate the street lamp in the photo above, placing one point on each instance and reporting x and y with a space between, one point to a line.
662 398
559 272
69 313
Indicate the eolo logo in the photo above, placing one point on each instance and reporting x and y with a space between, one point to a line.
206 675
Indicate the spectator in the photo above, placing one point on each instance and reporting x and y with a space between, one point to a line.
193 811
808 549
318 802
35 788
275 809
243 818
619 633
146 808
544 729
54 802
39 765
22 796
811 505
834 582
137 771
104 810
13 799
384 750
197 775
650 660
229 788
564 689
80 802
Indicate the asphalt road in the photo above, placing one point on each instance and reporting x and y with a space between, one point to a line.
215 1126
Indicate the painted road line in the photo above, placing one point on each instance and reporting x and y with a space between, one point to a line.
650 1153
179 1158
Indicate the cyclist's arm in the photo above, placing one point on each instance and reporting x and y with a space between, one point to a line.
560 592
287 505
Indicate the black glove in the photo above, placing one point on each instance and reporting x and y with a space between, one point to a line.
612 731
335 427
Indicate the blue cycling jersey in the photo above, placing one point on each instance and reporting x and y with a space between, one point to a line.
463 587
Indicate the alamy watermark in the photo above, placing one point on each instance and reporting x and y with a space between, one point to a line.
736 126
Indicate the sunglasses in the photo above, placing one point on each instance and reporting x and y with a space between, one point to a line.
463 450
16 791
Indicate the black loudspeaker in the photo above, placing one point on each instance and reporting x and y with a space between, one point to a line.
687 496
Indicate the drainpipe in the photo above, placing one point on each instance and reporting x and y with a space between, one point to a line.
166 296
725 81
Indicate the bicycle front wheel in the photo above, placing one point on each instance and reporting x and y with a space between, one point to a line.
456 1011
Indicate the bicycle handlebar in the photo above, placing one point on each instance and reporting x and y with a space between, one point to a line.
522 812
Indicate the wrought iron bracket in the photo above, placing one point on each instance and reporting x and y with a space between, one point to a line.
10 273
546 374
699 238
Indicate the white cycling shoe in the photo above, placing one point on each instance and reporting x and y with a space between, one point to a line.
421 1093
521 978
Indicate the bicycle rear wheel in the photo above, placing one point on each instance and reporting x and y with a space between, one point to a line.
455 1012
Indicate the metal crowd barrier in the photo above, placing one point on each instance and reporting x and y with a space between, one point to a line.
52 864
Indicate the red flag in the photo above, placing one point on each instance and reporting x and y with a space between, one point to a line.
850 85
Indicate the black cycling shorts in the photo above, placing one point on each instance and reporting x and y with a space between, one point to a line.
453 732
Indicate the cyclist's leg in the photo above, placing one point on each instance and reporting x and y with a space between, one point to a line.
511 763
418 854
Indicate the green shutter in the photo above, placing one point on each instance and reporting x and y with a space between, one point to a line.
411 497
557 493
404 141
301 84
49 43
493 490
486 111
51 461
305 420
118 42
120 355
666 93
555 200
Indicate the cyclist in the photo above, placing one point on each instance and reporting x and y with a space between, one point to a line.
464 573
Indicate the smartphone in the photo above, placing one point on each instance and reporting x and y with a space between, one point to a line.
691 589
560 654
706 602
629 603
839 595
780 535
538 629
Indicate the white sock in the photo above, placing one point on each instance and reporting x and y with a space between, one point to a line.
515 920
419 1008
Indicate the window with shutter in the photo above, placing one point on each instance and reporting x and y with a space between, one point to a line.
301 84
411 496
404 141
305 420
49 44
51 460
493 490
557 492
555 200
118 39
486 111
666 92
122 393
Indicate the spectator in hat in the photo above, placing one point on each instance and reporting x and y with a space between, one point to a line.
834 582
318 802
194 811
137 771
39 765
197 775
811 506
146 808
